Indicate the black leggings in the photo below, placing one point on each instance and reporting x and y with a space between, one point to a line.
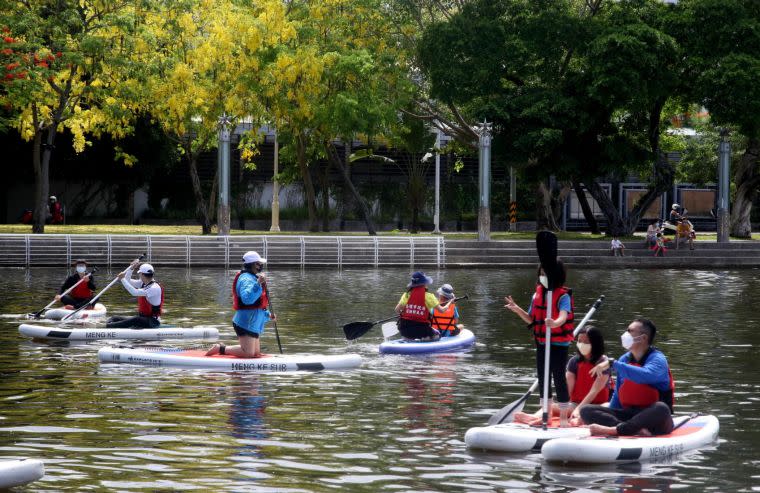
67 299
557 367
415 330
655 418
138 322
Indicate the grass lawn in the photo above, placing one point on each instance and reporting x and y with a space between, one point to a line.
189 229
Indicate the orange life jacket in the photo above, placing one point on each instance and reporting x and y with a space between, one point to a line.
632 394
145 309
563 333
237 304
415 309
82 291
444 320
584 382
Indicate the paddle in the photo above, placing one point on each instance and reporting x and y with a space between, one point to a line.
390 330
354 330
97 296
276 332
507 413
38 313
546 245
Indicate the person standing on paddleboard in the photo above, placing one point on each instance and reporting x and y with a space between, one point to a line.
250 301
538 318
446 314
150 299
415 308
644 392
83 293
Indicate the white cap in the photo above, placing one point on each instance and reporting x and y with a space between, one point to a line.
52 197
676 206
146 269
253 257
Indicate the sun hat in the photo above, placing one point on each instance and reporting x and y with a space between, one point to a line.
253 257
446 291
79 261
419 279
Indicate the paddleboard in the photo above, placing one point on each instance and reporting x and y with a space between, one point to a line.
463 340
79 334
694 433
194 358
519 437
99 311
20 472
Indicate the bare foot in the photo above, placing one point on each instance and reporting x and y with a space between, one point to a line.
599 430
528 419
214 350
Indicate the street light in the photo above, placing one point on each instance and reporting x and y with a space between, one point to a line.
223 213
437 216
484 161
723 186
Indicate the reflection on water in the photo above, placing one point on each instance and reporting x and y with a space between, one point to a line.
395 424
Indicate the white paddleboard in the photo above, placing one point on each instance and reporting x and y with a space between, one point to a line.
194 358
20 472
78 334
99 311
461 341
695 433
519 437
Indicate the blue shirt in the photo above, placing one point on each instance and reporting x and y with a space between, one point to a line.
655 372
249 290
564 305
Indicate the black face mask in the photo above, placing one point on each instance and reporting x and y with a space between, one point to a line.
254 268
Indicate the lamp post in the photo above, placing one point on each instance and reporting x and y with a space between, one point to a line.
512 199
275 188
484 168
437 215
223 212
723 186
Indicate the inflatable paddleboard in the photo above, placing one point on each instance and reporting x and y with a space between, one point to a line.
463 340
99 311
197 359
519 437
20 472
694 433
74 334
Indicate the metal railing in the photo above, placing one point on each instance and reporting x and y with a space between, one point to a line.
280 250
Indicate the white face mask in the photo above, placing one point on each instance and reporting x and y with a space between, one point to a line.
584 348
544 281
81 268
627 340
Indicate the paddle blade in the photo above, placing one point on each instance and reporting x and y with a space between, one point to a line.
389 329
354 330
507 413
546 246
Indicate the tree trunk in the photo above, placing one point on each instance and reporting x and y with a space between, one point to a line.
615 223
324 183
747 179
588 214
348 203
549 206
200 201
332 154
308 185
42 151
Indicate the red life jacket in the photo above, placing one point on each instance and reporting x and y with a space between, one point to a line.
444 320
237 304
632 394
415 309
145 309
81 291
563 333
584 382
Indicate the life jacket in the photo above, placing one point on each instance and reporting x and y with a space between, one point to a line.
563 333
145 309
237 304
584 382
415 309
444 320
632 394
82 291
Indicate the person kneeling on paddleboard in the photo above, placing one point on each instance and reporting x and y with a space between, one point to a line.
643 400
83 292
150 299
250 300
446 314
415 308
538 318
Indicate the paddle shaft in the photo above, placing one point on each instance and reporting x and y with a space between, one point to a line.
97 296
276 332
547 359
37 314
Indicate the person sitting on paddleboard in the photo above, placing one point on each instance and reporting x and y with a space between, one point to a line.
561 327
150 299
250 300
83 293
583 387
414 309
642 403
446 314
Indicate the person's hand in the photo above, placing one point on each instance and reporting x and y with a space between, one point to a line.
86 277
599 369
511 305
551 323
58 297
262 278
272 317
134 264
576 414
122 275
